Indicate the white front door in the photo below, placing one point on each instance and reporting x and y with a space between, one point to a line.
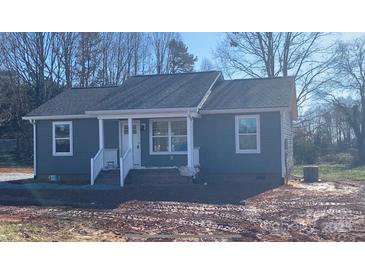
124 144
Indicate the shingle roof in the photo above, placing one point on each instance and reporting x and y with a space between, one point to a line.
73 101
183 90
251 93
160 91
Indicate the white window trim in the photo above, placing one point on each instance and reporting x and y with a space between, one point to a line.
54 153
258 138
168 136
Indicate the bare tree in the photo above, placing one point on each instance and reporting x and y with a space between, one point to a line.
160 43
88 56
206 65
65 45
349 68
277 54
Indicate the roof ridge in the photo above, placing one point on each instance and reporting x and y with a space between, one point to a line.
93 87
180 73
263 78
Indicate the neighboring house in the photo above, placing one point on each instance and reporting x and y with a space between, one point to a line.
218 130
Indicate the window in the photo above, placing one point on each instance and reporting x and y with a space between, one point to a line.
248 134
134 129
62 139
168 136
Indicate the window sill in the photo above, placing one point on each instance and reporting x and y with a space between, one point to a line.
248 151
62 154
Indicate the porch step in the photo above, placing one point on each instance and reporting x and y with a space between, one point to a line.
111 177
156 177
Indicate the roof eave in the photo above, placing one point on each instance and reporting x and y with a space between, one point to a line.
56 117
243 110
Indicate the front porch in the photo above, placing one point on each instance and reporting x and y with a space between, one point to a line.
145 141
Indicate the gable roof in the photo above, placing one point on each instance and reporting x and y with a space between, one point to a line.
251 93
207 90
182 90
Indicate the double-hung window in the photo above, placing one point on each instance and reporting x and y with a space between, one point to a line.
247 134
168 136
62 138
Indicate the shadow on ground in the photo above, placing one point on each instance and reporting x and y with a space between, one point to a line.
107 196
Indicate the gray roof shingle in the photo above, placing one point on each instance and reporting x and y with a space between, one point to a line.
160 91
183 90
251 93
73 101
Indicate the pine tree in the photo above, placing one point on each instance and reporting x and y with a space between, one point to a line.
180 60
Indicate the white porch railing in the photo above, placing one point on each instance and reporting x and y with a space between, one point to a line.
97 164
105 158
126 164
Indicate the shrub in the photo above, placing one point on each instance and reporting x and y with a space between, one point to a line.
328 158
344 158
339 158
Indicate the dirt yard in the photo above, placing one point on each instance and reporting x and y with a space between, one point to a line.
332 211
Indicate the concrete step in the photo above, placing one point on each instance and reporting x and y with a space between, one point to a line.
108 177
156 176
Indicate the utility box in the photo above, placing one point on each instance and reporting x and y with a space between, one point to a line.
311 173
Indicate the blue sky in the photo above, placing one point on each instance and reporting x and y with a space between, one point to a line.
202 44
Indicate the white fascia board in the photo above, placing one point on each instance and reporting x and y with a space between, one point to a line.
242 110
57 117
148 115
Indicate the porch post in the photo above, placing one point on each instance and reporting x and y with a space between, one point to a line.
130 136
101 134
190 143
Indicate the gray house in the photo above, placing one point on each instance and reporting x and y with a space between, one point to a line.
211 129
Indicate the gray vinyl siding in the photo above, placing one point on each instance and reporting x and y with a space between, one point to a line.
111 137
148 160
85 146
215 135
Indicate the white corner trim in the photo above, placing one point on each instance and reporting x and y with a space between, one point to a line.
54 153
168 136
209 91
282 149
258 134
34 148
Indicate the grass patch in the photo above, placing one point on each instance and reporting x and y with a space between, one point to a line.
335 172
20 232
11 160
